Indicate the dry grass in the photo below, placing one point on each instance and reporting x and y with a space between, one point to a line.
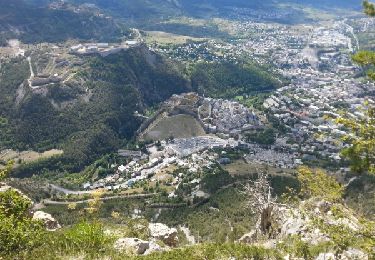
241 168
26 156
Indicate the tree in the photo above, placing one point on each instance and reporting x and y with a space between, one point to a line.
18 231
4 172
361 137
369 8
317 184
361 134
367 58
261 202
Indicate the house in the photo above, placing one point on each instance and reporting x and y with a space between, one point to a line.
86 186
121 168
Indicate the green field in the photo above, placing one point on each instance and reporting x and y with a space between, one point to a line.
169 38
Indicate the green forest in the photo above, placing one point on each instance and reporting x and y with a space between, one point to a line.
48 25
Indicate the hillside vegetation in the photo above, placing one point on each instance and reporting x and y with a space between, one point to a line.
225 80
116 87
31 24
119 85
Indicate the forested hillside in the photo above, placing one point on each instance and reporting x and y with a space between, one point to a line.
100 115
40 24
119 85
230 80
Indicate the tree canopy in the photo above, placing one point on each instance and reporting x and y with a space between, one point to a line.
361 135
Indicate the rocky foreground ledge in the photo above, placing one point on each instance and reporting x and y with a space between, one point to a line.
161 238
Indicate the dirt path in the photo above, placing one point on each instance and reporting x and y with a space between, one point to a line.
32 75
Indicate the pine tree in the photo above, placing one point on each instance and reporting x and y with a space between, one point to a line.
367 58
369 8
361 130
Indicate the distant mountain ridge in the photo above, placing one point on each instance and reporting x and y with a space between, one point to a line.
137 8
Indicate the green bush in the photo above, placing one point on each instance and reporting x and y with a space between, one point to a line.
319 185
17 230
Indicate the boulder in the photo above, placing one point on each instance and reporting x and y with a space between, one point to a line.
164 233
153 248
50 223
349 254
353 253
133 245
326 256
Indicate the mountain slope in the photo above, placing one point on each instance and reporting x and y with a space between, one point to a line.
101 104
141 11
41 24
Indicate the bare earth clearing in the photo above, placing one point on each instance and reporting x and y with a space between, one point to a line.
179 126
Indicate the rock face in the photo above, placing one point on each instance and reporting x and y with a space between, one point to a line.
346 255
133 245
153 247
164 233
50 223
301 221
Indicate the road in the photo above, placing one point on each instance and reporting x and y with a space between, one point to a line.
67 191
134 196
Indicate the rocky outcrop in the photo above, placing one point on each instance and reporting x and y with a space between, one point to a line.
301 221
136 246
153 247
309 221
163 233
132 245
50 223
346 255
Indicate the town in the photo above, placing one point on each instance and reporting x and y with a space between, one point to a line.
313 59
322 81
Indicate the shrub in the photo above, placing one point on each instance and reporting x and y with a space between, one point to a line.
318 184
18 231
